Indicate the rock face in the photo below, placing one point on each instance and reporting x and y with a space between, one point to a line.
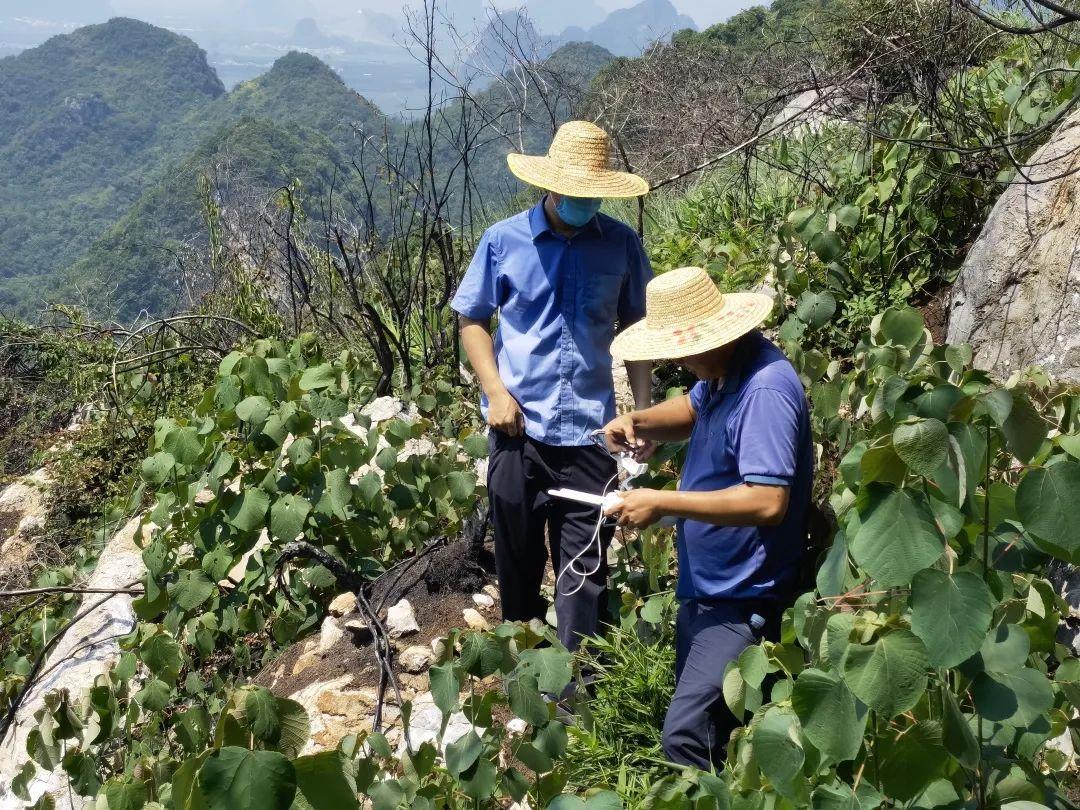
1017 299
89 648
22 520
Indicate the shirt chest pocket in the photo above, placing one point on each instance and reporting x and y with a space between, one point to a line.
600 296
523 288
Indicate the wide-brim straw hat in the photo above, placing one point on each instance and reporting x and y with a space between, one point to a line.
686 314
577 165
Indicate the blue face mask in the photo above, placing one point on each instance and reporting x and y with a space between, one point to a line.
577 211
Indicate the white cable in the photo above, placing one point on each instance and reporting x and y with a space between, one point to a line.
571 564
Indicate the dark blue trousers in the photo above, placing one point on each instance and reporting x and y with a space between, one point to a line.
526 521
708 635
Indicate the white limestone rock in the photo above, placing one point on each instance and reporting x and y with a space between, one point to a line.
400 620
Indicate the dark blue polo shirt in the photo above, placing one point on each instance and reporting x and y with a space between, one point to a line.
752 428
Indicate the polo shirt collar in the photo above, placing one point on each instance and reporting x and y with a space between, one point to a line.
538 222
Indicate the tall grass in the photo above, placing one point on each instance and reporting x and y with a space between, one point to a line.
618 742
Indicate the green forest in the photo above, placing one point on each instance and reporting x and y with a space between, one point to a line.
249 369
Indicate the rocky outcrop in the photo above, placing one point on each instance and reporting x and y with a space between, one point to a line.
89 648
22 520
1017 298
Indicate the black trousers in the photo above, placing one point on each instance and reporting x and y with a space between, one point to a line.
709 635
520 472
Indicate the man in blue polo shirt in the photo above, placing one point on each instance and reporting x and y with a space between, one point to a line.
744 493
561 277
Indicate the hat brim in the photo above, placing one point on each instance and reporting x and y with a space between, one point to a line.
740 313
542 172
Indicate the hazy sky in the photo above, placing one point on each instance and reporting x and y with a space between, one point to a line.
705 12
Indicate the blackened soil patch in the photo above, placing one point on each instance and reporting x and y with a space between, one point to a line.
439 586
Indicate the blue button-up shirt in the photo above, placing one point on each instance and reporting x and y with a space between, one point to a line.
753 428
559 300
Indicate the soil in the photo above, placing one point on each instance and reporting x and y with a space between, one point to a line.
935 312
9 522
439 587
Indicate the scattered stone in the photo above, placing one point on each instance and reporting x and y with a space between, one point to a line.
417 683
400 620
204 496
492 591
427 721
474 620
342 603
438 647
483 601
415 659
330 634
516 726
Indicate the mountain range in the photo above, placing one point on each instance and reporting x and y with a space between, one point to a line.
105 132
243 39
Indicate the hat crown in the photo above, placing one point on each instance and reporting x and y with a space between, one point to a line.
580 145
681 297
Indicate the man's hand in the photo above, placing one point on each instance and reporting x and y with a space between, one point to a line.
620 437
638 509
504 414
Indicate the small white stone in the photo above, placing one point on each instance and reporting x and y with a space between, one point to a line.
330 634
492 591
483 601
342 603
516 726
400 620
415 659
474 620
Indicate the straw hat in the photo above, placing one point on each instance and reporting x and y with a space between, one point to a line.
685 314
577 165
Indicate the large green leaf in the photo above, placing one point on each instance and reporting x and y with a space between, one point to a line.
897 535
260 708
234 778
184 444
325 781
461 755
889 675
1024 429
317 377
157 468
923 445
777 748
288 515
253 410
191 589
551 665
248 512
831 718
910 760
462 485
1045 500
833 574
445 687
525 700
816 308
1015 698
951 614
827 245
956 732
902 326
162 656
295 727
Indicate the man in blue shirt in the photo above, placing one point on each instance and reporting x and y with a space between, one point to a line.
561 277
744 494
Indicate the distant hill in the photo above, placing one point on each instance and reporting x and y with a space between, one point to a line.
80 119
135 264
628 31
295 122
113 120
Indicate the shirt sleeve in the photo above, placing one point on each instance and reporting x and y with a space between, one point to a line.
766 438
697 395
640 272
476 296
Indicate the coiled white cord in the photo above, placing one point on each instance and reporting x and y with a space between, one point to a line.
571 564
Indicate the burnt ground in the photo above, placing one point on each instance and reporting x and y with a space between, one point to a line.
439 587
